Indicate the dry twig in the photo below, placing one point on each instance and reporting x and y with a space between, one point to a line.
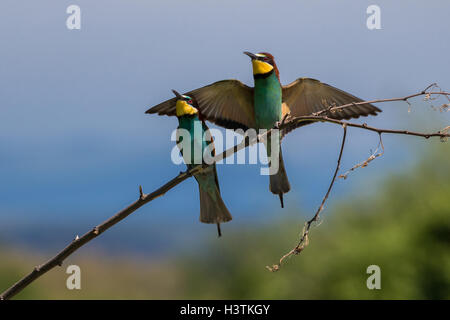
427 92
366 162
304 241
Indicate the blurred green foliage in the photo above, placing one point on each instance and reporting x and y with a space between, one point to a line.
403 227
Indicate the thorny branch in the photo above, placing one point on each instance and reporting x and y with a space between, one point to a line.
318 116
427 92
287 122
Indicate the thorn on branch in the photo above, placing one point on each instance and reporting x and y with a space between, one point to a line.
141 193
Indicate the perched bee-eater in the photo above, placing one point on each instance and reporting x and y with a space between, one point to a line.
212 207
232 104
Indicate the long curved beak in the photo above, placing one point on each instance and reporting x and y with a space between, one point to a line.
177 94
251 55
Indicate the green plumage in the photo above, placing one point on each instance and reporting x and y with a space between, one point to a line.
197 130
268 101
267 95
212 207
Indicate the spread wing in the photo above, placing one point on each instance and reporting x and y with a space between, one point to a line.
228 103
305 96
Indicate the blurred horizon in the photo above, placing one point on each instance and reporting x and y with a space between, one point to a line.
403 228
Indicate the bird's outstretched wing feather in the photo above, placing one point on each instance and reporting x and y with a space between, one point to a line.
306 96
228 103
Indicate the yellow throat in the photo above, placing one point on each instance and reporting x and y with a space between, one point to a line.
261 67
183 108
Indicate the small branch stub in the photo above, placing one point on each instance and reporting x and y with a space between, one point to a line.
141 193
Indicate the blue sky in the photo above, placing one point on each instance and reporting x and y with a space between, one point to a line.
75 142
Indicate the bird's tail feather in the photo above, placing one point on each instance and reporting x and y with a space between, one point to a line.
279 183
213 209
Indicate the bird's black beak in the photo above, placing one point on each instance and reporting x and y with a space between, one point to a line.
177 94
251 55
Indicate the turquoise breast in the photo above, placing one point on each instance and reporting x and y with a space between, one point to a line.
267 101
196 129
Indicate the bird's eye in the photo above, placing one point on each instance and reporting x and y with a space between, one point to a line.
267 59
190 101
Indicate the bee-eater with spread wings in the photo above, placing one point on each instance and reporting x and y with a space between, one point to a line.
212 207
232 104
